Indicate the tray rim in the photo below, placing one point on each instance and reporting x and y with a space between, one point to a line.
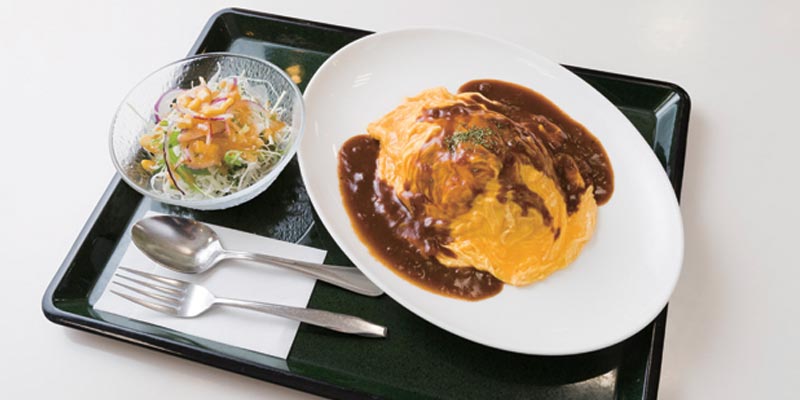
286 378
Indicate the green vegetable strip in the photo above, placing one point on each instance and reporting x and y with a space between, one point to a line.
168 156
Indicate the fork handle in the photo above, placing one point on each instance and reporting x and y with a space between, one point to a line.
345 277
334 321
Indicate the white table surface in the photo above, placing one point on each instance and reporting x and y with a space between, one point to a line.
732 330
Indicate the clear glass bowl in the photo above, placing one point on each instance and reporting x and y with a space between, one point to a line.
135 116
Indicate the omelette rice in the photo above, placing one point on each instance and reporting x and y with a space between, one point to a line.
492 183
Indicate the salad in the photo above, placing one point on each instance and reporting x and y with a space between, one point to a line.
214 139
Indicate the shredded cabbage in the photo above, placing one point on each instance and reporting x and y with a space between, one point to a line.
256 102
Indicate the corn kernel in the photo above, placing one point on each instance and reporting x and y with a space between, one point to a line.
148 165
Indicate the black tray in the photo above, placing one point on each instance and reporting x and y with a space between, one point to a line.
419 360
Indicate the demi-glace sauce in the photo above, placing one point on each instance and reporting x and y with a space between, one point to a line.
571 146
408 243
376 211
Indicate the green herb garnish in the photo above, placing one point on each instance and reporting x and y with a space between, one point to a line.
499 125
479 136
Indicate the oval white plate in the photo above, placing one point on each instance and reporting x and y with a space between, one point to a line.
626 273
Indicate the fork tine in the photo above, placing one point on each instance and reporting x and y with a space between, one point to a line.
144 303
155 296
167 281
154 286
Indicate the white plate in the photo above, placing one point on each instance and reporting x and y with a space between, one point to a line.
625 274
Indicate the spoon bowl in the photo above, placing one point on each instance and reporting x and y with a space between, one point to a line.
180 244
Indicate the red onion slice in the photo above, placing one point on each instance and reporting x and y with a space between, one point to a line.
162 105
257 109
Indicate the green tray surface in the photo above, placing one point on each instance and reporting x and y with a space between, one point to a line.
418 360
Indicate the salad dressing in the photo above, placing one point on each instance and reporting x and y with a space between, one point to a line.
211 140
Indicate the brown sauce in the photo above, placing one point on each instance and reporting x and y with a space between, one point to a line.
533 131
570 143
388 228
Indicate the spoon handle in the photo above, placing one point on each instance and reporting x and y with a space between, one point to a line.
345 277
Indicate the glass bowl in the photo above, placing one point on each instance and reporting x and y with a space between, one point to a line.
136 115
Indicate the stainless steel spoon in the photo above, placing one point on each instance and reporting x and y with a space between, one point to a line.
191 247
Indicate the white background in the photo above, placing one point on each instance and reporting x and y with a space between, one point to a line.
733 325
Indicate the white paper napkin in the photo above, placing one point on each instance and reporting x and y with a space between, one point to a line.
236 279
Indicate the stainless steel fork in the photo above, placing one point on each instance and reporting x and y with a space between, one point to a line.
187 300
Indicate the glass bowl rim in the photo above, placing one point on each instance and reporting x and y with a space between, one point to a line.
240 196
